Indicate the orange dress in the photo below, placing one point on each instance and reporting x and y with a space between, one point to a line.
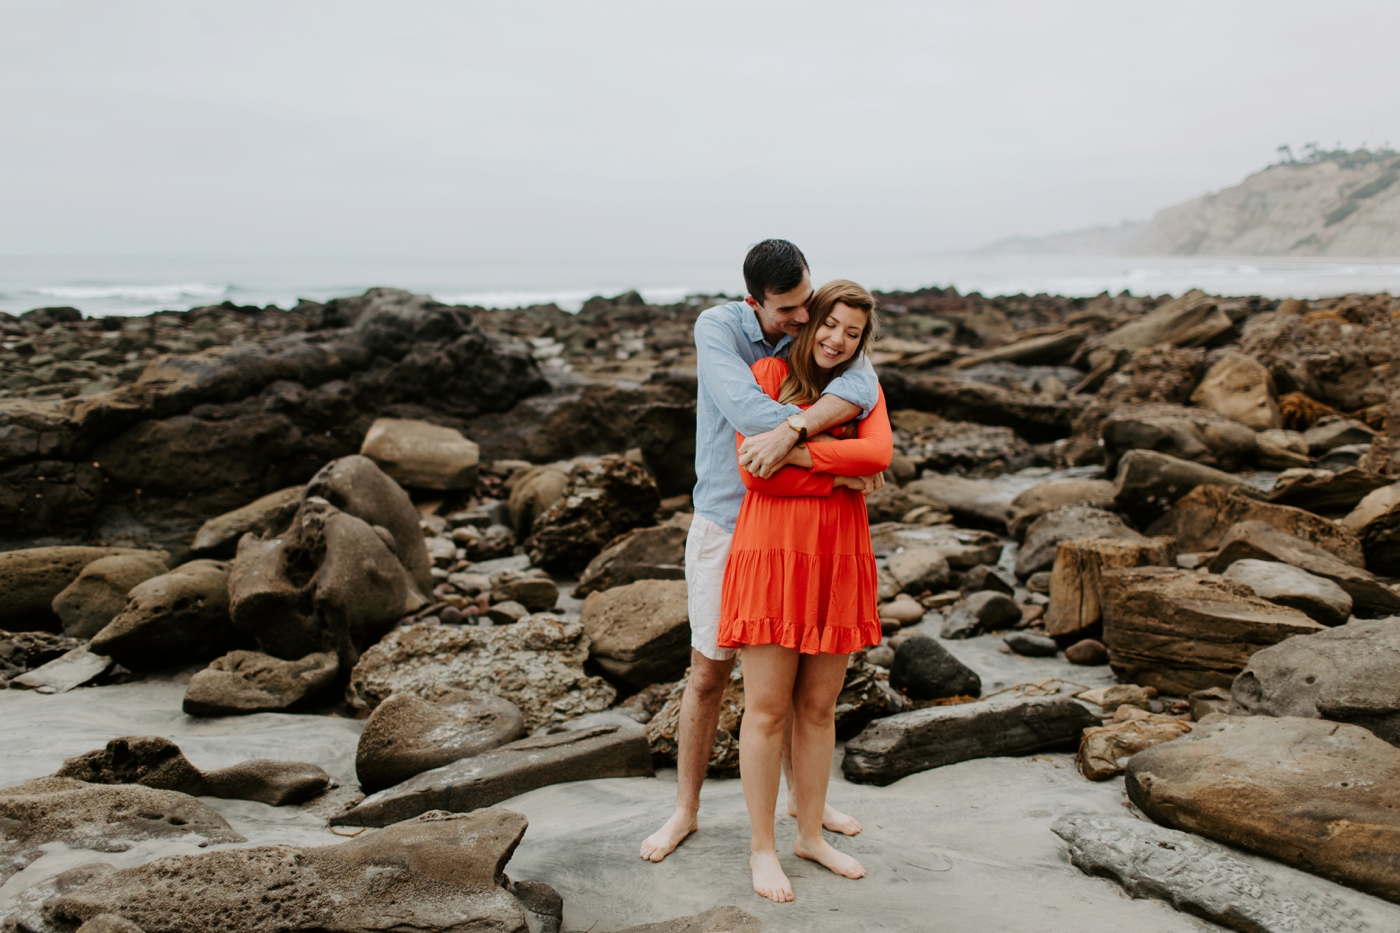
801 571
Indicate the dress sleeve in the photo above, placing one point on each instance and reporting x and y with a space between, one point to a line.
789 480
868 453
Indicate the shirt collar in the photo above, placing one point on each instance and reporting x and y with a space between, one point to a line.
748 320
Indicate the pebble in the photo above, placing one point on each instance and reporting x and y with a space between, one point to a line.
1088 652
1030 645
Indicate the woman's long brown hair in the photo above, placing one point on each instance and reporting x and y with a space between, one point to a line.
806 381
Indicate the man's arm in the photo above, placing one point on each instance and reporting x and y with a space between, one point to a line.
853 393
740 399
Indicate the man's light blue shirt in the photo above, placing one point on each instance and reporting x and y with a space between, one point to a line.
729 340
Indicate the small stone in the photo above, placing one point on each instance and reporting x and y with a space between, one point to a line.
1088 652
919 568
985 577
925 670
450 616
982 612
903 610
1210 700
880 656
1031 645
506 613
1039 582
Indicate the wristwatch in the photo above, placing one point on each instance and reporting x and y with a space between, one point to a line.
798 424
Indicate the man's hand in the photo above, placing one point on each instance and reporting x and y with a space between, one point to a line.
762 454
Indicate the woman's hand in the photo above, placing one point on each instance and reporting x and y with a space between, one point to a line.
861 484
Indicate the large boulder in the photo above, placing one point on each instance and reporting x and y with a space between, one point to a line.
1193 320
407 735
1048 496
251 682
1149 482
640 632
218 537
1161 373
175 618
1178 631
925 670
1376 521
603 500
422 455
99 593
656 553
32 577
1075 580
536 663
442 871
1193 434
1035 418
1286 585
1240 388
1068 523
1348 674
1321 796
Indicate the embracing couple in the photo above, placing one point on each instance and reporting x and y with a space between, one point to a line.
778 563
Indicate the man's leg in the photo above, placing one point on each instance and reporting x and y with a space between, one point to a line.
832 818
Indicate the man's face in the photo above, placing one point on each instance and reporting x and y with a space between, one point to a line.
783 312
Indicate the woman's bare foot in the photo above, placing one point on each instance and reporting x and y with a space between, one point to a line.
664 841
833 819
822 853
769 879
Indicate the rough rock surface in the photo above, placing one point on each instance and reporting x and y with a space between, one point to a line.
1149 482
1348 674
603 500
1044 497
1376 520
925 670
985 611
175 618
1067 523
640 632
422 455
32 577
890 748
270 514
532 493
1240 388
1326 491
656 553
1193 434
24 651
1104 751
1286 585
1240 780
407 735
439 872
99 593
252 682
1200 519
536 663
1075 581
919 569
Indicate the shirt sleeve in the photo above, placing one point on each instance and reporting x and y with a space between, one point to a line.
744 405
789 480
859 385
868 453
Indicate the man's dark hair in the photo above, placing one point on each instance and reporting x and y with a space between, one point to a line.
773 267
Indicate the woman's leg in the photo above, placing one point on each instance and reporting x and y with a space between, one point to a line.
819 681
769 671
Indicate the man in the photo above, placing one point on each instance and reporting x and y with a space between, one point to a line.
728 340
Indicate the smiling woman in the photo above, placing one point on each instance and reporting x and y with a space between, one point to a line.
842 320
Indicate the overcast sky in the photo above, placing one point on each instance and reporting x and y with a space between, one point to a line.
650 130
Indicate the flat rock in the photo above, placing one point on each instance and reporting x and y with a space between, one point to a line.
891 748
536 663
72 669
175 618
1324 491
962 548
918 569
1321 438
981 612
1068 523
30 579
1031 645
1208 880
1240 780
640 631
1348 674
925 670
270 514
1286 585
1177 631
1200 520
1239 387
252 682
617 749
422 455
99 593
25 651
407 735
1264 542
984 502
1050 495
656 553
1148 483
1280 450
1192 320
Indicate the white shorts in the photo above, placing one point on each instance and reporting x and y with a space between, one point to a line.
706 553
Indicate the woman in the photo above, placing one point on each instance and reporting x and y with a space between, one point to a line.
800 586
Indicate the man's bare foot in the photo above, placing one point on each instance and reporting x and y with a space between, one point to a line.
664 841
769 879
834 820
821 852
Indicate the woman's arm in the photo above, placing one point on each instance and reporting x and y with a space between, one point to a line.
788 480
864 455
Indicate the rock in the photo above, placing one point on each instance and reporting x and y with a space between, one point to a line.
275 783
960 547
981 612
925 670
987 577
99 593
1376 521
1039 582
1264 542
1087 652
656 553
251 682
24 651
1046 348
1286 585
102 819
1191 434
1340 459
1110 699
1031 645
535 593
1105 750
63 673
918 569
1241 389
981 501
714 920
880 656
407 735
1239 781
31 578
508 612
1324 491
1161 373
891 748
961 447
1034 418
536 663
662 729
1213 700
1075 604
421 455
1193 320
617 749
218 537
1051 495
1322 438
1348 674
888 503
109 923
602 501
532 494
903 609
1177 631
1070 523
442 871
1204 878
1148 483
1200 520
175 618
331 583
640 632
1280 450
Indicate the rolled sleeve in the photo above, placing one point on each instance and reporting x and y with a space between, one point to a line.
858 385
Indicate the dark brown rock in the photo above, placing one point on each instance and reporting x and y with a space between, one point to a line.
925 670
1044 497
99 593
252 682
602 501
270 514
1087 652
1068 523
175 618
656 553
985 611
32 577
1075 603
1148 483
407 735
641 631
1193 434
1324 491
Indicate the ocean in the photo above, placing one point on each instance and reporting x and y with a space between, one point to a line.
132 286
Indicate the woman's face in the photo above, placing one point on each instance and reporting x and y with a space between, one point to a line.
838 336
